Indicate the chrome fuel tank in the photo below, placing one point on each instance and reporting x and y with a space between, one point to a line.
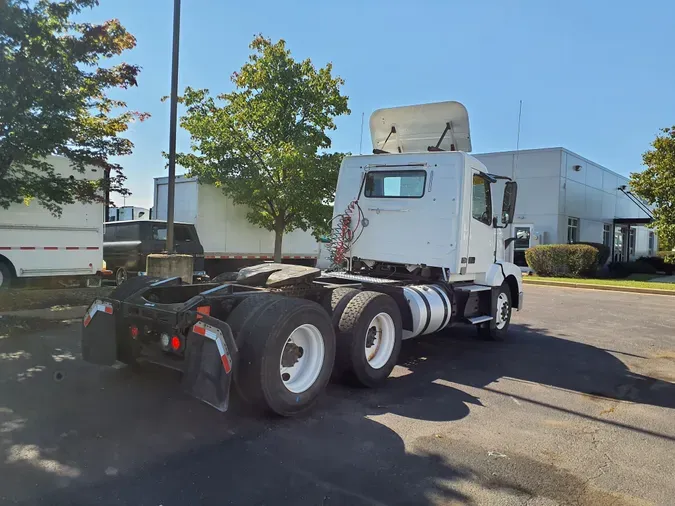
430 307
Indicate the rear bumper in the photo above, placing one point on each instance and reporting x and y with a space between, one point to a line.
206 357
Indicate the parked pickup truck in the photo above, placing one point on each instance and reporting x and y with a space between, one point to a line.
127 244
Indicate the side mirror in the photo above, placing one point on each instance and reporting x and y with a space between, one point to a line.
508 242
509 202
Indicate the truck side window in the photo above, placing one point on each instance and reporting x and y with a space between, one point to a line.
182 233
481 205
126 232
159 232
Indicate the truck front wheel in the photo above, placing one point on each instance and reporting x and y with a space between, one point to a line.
368 339
502 317
286 356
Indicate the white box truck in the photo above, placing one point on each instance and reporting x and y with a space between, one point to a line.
36 244
229 240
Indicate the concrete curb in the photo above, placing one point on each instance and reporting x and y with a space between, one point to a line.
609 288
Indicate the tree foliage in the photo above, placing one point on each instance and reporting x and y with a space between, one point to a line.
53 101
656 184
264 143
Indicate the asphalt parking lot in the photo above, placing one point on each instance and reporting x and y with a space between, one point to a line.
577 408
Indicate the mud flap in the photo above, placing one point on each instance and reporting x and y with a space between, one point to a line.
99 343
210 358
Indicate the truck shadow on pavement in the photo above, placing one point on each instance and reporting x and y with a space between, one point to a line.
73 433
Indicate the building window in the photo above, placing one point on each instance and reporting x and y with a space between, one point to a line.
651 244
631 243
572 230
481 207
607 235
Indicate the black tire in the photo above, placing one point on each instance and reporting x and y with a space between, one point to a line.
336 301
354 328
485 331
247 309
264 337
121 276
6 276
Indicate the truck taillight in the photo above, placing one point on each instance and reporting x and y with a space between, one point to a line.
176 343
133 330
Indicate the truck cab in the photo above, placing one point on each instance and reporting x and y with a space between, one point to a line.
421 205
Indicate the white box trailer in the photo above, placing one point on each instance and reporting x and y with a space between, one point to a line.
230 241
36 244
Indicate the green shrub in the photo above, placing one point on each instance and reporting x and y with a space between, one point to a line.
604 252
567 260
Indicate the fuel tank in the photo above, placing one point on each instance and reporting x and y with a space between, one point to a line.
430 307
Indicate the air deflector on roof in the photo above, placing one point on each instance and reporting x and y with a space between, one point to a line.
439 126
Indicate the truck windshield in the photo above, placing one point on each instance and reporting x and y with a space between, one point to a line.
395 184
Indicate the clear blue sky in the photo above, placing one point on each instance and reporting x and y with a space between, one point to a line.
596 77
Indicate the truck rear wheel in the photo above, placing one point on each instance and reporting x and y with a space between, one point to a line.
121 276
247 309
336 301
5 276
368 339
286 357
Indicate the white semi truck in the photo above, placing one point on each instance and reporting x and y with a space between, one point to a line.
66 249
418 242
230 241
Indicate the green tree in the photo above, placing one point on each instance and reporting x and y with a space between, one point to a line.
264 143
656 184
53 101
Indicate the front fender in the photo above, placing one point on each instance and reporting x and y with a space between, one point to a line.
499 272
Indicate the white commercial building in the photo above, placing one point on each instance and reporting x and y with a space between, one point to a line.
565 198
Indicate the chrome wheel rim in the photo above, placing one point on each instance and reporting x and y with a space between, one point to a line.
503 310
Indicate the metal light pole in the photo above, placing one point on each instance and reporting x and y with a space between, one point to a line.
173 124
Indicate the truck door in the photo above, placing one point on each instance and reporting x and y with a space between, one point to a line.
481 232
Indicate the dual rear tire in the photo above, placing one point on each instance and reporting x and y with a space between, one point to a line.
369 333
288 348
286 352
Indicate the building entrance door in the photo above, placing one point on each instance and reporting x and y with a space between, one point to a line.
621 243
523 235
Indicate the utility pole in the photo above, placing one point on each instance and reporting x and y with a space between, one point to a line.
173 125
